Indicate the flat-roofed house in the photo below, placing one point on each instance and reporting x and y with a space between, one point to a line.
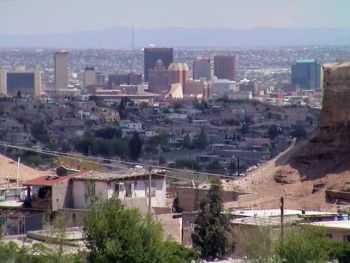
130 186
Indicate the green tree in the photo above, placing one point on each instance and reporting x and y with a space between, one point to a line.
135 146
39 132
245 128
156 142
37 253
186 163
299 132
162 160
200 141
116 234
122 108
177 106
340 250
273 132
187 143
212 226
109 133
97 100
307 244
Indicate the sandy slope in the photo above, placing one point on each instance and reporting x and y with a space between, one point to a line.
298 194
8 169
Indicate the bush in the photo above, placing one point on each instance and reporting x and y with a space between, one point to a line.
307 244
185 163
109 133
299 132
116 234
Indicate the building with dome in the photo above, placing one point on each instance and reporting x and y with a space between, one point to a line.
179 73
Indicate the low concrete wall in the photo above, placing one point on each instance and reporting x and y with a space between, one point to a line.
73 217
140 203
172 226
189 198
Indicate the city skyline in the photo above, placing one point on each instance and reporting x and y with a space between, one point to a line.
68 16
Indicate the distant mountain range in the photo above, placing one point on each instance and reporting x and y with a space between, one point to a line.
120 37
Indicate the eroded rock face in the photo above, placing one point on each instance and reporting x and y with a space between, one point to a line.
328 149
336 98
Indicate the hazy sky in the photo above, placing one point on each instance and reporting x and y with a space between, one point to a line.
55 16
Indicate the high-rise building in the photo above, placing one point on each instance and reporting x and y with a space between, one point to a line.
224 67
179 73
158 78
131 78
222 87
201 68
247 85
306 74
27 83
197 89
100 78
89 76
61 69
153 54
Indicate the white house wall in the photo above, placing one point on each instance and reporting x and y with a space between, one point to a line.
104 190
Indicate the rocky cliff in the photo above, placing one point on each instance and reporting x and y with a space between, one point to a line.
315 173
336 100
328 149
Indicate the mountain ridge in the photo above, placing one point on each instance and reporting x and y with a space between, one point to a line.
219 37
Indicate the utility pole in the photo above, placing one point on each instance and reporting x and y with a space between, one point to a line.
238 173
282 218
18 162
149 190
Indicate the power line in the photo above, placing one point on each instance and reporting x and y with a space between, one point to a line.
91 158
79 158
311 201
71 155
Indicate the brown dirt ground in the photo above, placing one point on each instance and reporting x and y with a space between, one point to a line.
266 192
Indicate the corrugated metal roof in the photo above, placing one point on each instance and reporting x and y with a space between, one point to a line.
50 179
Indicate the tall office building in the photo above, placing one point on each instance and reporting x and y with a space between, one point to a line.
158 78
179 73
130 78
153 54
61 69
306 74
28 83
201 68
224 67
100 78
89 76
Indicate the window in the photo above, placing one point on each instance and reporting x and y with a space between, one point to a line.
116 189
89 189
153 188
74 218
129 189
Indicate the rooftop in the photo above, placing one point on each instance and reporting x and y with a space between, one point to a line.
277 213
345 224
51 179
265 221
178 67
306 61
123 174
